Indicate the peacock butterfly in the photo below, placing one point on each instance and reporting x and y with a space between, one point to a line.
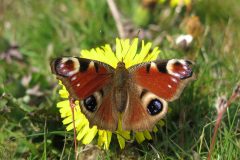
138 94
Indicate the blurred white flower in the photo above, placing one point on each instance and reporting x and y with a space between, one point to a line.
184 40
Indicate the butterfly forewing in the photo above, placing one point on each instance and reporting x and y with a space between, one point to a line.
165 78
82 77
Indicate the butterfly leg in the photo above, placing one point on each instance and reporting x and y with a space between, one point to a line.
72 105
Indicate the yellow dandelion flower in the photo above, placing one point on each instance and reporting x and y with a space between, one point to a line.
175 3
132 56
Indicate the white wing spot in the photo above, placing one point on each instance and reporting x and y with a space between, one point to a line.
75 62
78 85
73 78
153 65
170 66
169 86
174 80
91 64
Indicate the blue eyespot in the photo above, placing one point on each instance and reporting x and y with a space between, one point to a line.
90 103
154 107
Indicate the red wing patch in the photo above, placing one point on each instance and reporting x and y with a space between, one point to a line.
81 76
166 79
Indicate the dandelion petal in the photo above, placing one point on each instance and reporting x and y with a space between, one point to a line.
89 135
139 137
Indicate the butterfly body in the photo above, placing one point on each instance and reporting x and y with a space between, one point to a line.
137 95
120 86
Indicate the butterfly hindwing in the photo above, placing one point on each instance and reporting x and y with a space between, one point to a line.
144 109
100 110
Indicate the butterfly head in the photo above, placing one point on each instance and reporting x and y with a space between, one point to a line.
121 65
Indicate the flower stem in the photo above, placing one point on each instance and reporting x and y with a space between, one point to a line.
72 105
117 18
234 95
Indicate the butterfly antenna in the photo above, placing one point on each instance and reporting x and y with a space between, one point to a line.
127 51
138 33
121 49
130 44
118 59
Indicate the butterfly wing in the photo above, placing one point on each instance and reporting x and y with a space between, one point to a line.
165 78
152 85
100 109
82 77
90 82
143 111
